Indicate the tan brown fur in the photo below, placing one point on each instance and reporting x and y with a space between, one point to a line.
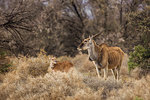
112 55
63 66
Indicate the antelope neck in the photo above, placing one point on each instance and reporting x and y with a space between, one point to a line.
93 51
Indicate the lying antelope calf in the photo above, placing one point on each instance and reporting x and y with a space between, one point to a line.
103 56
63 66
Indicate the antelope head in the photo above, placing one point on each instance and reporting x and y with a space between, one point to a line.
52 62
86 43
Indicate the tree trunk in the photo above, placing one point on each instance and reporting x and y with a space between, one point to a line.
106 16
121 12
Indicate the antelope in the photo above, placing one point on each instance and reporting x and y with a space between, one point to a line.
63 66
103 56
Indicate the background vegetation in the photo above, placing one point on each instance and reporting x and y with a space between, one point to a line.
58 26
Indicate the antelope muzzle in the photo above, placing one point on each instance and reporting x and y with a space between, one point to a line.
80 47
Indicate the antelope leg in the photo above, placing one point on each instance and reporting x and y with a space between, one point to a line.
97 70
118 69
105 73
113 72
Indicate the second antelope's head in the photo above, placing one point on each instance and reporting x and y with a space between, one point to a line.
85 44
52 61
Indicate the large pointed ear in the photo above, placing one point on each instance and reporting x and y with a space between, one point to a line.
91 37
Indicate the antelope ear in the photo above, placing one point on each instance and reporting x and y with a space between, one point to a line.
91 37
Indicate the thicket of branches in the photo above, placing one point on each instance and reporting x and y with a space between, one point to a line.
17 24
58 26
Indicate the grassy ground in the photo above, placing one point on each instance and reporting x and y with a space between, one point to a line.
31 79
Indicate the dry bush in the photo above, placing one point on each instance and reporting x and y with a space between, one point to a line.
64 58
83 65
79 60
54 86
31 66
107 85
133 90
136 73
26 84
1 78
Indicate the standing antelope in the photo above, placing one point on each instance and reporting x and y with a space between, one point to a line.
103 56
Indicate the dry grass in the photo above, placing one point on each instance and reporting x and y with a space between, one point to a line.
33 80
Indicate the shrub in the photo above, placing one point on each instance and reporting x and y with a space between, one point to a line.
140 22
4 62
41 84
140 57
138 98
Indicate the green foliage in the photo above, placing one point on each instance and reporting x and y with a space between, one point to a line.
140 57
140 21
2 54
4 62
5 68
138 98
